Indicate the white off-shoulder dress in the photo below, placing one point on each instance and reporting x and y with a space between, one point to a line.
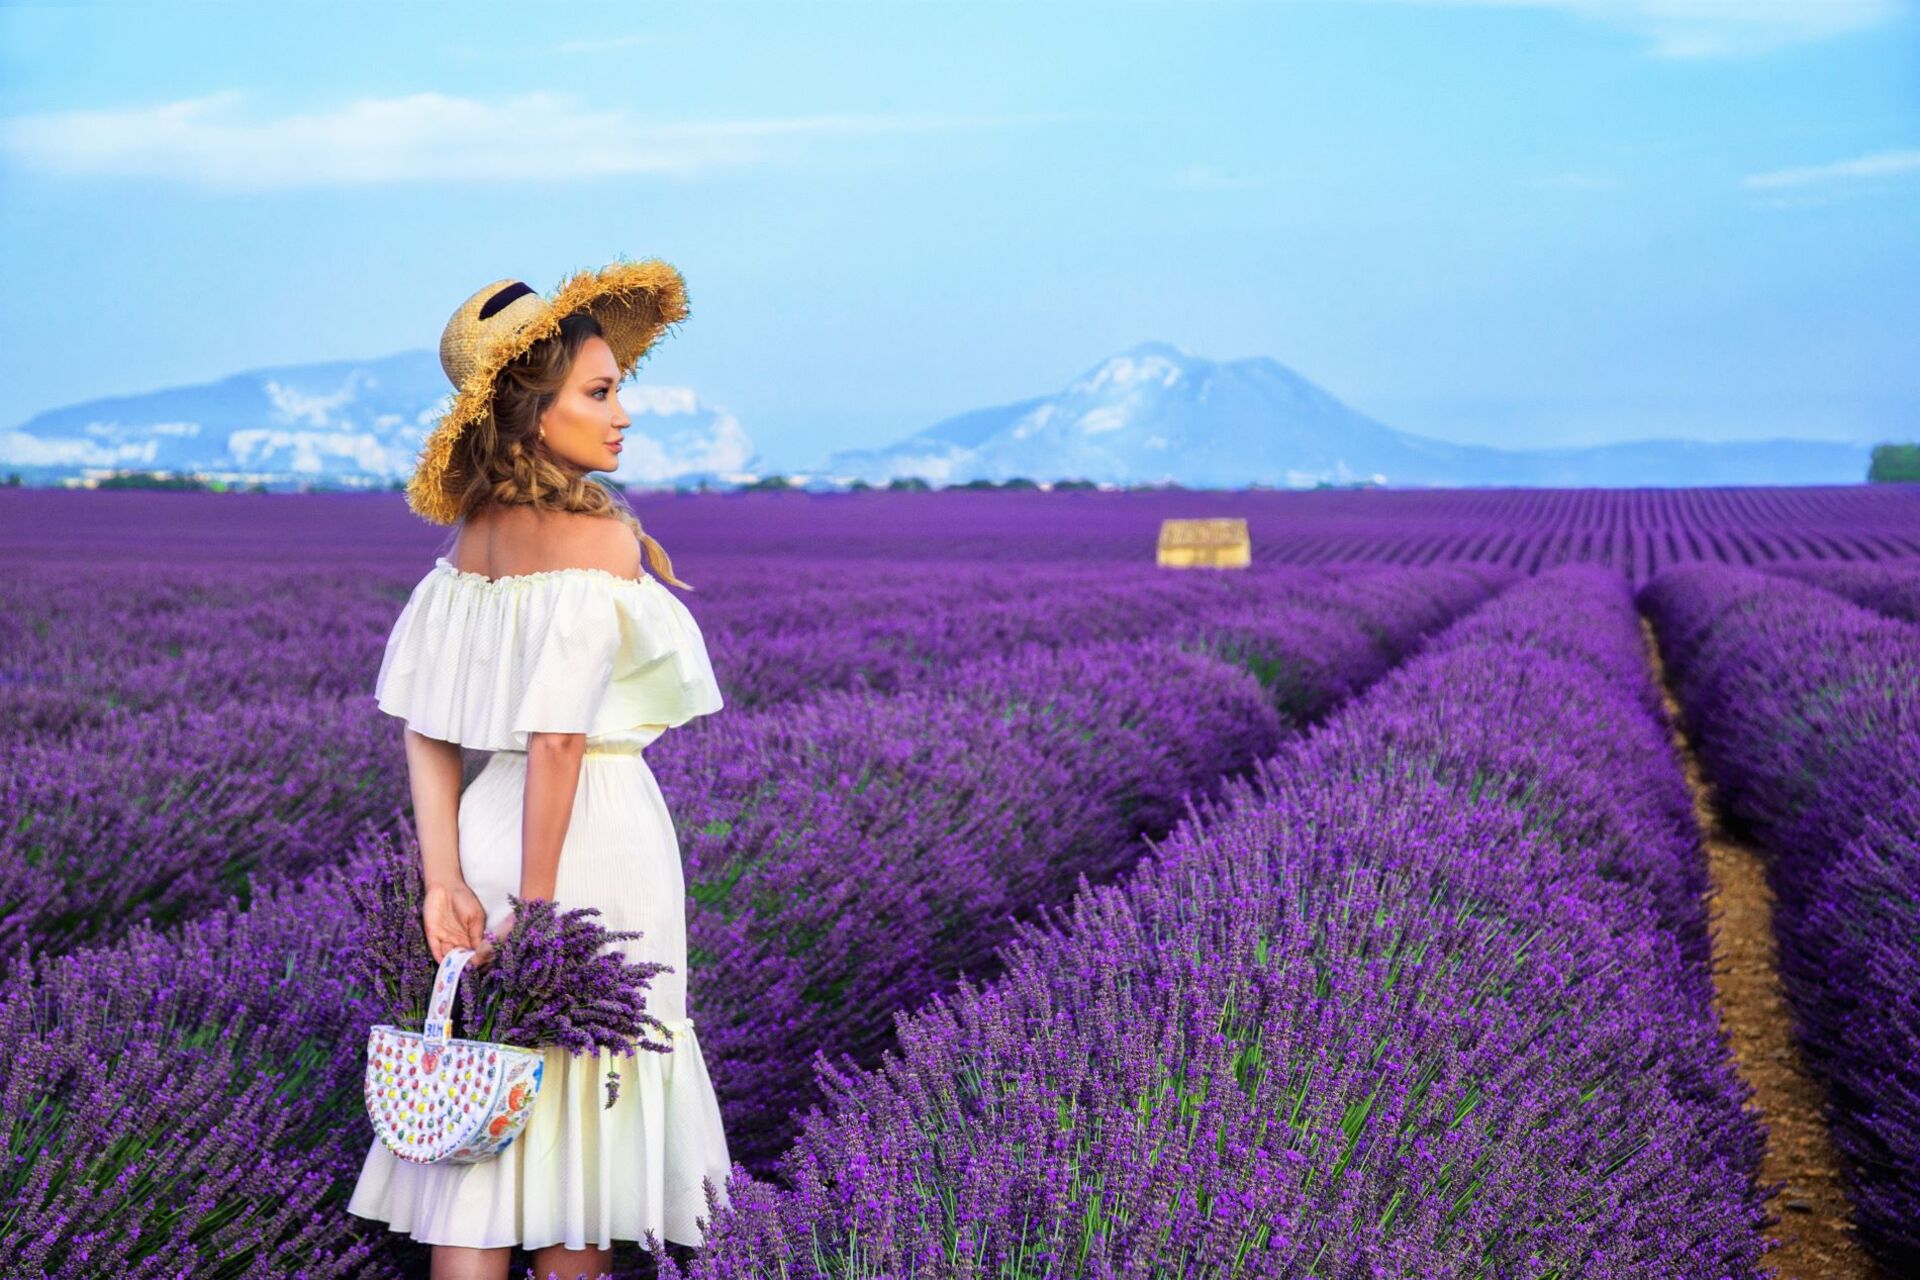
485 662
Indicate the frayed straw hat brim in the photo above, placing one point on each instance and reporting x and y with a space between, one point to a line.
635 303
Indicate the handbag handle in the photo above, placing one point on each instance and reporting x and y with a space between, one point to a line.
445 987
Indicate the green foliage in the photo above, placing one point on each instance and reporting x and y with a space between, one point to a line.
1895 463
151 480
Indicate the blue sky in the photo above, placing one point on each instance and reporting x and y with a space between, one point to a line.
1503 221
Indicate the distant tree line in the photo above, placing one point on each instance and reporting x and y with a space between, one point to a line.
150 480
1895 463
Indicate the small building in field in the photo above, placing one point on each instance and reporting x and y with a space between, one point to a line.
1214 543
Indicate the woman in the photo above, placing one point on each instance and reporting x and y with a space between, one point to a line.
538 637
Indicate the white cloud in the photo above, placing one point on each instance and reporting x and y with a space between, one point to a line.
1714 28
648 397
1103 419
659 449
542 137
119 431
296 407
307 451
25 448
1880 164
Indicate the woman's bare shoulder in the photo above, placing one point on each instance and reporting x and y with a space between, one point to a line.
598 542
516 540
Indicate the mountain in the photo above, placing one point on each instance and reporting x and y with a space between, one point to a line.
1157 414
1151 414
342 422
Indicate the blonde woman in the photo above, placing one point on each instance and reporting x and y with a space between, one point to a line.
540 637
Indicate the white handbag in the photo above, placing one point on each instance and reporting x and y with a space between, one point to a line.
438 1101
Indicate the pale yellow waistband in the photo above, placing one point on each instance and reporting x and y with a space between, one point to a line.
594 749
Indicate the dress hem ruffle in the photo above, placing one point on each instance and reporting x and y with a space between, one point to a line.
570 1178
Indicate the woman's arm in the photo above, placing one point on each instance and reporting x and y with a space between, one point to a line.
452 915
433 770
553 778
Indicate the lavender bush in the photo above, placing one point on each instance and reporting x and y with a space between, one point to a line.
1892 589
107 657
553 980
1403 1003
286 1212
81 645
1806 713
189 1103
217 747
157 816
850 856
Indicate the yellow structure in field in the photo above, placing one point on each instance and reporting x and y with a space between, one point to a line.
1219 543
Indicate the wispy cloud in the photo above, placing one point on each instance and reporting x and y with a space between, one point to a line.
1714 28
1878 165
217 141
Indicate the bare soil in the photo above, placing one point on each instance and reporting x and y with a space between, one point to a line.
1813 1223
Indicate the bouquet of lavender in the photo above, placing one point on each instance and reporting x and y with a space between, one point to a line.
553 980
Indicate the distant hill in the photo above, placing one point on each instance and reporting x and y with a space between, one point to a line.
343 422
1155 414
1148 415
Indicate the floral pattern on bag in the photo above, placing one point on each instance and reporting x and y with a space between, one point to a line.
438 1101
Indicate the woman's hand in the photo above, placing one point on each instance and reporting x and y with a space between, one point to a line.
454 917
484 952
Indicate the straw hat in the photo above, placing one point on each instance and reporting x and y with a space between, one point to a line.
634 302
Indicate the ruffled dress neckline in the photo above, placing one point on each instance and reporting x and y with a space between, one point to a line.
485 662
540 575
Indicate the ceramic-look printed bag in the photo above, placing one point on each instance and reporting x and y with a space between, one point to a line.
438 1101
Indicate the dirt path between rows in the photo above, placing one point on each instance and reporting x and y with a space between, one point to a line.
1813 1233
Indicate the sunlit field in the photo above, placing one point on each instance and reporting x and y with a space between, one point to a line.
1051 912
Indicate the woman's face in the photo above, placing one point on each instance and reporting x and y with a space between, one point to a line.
582 426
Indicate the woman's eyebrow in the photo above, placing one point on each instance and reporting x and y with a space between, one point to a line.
601 378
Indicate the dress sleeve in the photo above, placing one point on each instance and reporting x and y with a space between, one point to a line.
569 645
487 665
664 677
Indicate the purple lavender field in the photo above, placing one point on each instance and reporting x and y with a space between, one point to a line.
1050 913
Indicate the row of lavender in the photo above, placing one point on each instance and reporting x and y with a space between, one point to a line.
1428 995
80 646
760 536
190 1100
1892 589
215 728
852 855
1637 532
1806 713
